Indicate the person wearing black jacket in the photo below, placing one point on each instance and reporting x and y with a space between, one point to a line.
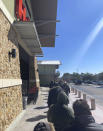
51 84
60 114
66 88
53 93
44 126
84 120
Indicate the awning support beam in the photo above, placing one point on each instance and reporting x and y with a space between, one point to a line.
43 22
43 36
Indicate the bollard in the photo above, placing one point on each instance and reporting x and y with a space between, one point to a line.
93 106
79 94
24 99
72 89
75 91
84 96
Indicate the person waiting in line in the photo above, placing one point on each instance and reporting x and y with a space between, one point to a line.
60 114
66 88
43 126
53 93
51 84
56 83
84 120
61 82
33 95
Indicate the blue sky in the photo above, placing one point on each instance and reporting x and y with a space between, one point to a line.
79 18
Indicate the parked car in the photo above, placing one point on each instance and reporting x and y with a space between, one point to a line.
78 82
89 82
100 83
94 82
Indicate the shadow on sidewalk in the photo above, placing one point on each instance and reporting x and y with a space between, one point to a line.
41 107
45 94
45 99
46 112
77 97
37 118
44 91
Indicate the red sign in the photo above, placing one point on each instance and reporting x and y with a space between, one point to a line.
21 11
32 90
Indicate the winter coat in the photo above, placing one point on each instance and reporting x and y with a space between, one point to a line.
51 84
60 114
53 93
44 126
66 88
85 123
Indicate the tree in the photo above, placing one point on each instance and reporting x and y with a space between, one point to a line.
66 77
84 77
76 77
100 76
87 77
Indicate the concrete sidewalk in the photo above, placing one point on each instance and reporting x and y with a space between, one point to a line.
38 112
33 114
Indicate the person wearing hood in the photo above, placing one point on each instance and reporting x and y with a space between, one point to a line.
66 88
53 93
51 84
84 120
60 114
44 126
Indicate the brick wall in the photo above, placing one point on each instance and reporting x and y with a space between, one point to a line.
10 97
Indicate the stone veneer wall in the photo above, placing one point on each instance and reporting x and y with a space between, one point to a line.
9 68
32 78
10 105
10 97
33 73
36 72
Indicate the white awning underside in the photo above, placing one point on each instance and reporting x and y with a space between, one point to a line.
29 36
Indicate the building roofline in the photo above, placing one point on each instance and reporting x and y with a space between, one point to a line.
49 62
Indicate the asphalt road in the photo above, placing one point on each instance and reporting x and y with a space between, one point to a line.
92 90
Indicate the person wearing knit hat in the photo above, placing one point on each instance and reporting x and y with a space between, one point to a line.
44 126
84 121
53 94
60 114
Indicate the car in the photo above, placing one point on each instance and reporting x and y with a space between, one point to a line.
100 83
94 82
78 82
89 82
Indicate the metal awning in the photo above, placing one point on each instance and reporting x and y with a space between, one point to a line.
49 62
29 37
48 67
44 15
